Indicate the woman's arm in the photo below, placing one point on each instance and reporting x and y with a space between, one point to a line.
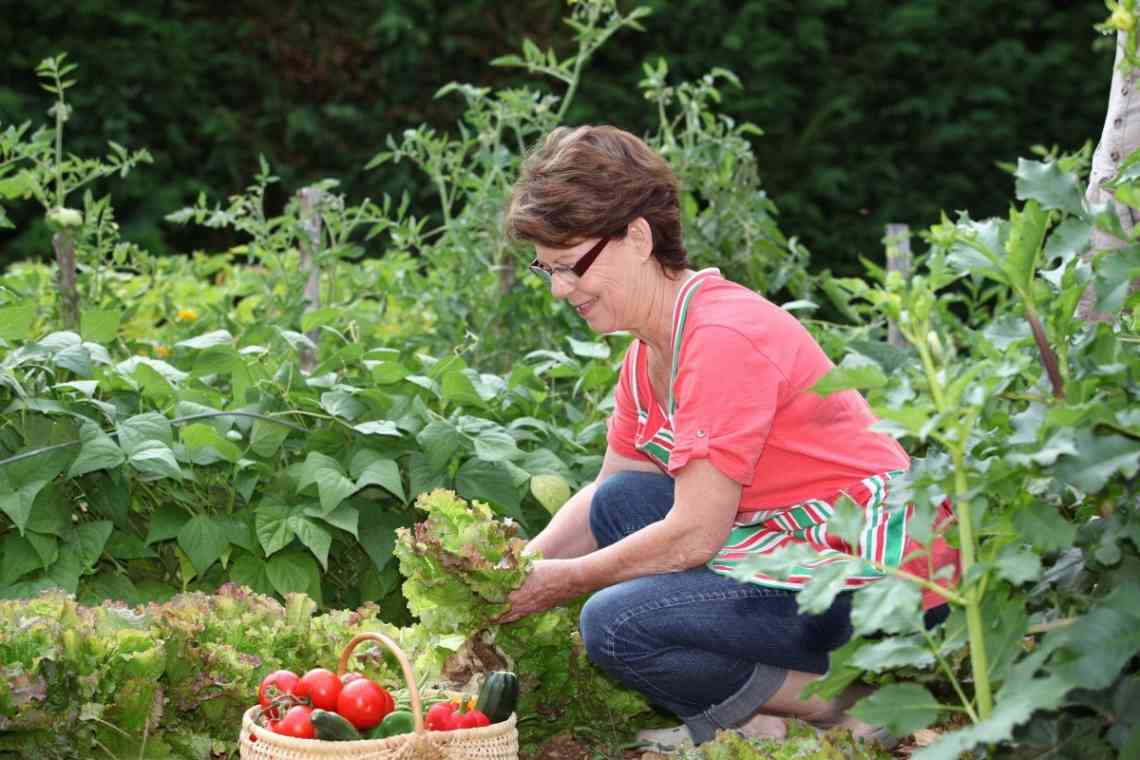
704 506
568 535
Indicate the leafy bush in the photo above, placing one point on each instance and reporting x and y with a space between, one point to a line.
164 681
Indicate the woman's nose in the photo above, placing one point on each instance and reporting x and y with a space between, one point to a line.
559 288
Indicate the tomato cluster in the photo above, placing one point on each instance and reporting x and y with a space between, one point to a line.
448 716
287 701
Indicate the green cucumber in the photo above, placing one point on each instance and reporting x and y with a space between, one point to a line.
395 723
331 727
498 696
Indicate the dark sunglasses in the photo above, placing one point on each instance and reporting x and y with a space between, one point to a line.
579 268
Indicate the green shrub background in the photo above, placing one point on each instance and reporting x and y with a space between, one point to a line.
875 111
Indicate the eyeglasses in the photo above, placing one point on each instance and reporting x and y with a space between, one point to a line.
569 275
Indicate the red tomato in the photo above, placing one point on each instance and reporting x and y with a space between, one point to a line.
350 676
475 719
363 703
322 687
440 717
297 723
279 683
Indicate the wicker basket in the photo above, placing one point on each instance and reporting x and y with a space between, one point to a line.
499 741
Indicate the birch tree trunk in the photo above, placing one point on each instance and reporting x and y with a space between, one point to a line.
1119 137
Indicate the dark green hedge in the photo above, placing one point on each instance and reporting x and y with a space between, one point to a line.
875 110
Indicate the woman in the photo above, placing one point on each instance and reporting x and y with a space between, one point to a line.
716 451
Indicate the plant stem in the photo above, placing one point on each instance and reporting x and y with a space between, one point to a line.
951 677
945 593
1048 357
979 663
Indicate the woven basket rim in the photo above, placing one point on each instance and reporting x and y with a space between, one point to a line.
391 742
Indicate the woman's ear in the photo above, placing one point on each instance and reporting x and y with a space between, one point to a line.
639 235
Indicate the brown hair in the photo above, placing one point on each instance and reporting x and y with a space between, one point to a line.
587 182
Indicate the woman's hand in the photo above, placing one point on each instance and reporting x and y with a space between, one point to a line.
548 585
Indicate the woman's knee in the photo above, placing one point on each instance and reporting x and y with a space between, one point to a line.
597 623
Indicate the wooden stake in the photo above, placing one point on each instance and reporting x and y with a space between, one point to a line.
64 245
898 260
309 199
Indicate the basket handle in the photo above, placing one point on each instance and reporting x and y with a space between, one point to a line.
409 677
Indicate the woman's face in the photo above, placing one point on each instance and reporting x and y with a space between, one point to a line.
600 295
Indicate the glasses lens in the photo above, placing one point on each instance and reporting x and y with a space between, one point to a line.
539 269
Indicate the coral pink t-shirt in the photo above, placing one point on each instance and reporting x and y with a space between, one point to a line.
739 397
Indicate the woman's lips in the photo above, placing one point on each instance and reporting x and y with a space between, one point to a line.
584 308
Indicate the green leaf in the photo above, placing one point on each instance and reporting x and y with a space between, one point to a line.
99 325
384 473
208 340
496 445
155 460
422 476
902 708
90 540
46 546
491 482
273 527
294 572
1099 459
378 427
126 546
1023 246
865 377
1041 525
217 360
388 372
315 461
52 511
894 652
66 572
314 536
17 497
266 438
238 528
133 431
250 571
1048 185
17 558
318 317
848 520
333 488
591 350
16 321
378 535
826 583
343 404
203 540
457 387
98 452
891 605
1018 565
205 445
1115 271
165 523
344 517
439 441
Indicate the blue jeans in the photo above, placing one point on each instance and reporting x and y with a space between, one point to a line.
706 647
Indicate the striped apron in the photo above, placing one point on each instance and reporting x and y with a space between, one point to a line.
883 539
